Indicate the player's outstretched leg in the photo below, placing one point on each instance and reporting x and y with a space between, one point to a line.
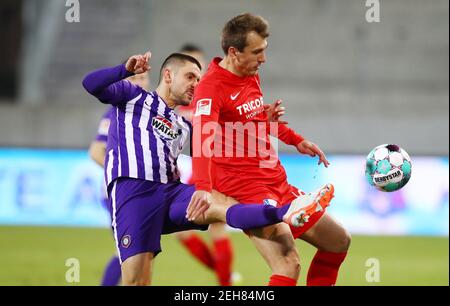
248 216
306 205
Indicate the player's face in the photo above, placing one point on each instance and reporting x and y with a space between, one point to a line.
142 80
184 82
253 56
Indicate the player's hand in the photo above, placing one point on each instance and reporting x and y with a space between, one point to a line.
138 63
200 202
275 111
311 149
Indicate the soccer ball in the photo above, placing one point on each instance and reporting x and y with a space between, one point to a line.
388 167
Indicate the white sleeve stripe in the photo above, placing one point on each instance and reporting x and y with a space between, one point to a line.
145 140
160 147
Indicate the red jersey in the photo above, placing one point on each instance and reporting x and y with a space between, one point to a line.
239 145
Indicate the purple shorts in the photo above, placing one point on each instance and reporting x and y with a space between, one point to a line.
144 210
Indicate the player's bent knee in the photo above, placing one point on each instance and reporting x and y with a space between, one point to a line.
136 270
135 282
346 241
342 244
134 277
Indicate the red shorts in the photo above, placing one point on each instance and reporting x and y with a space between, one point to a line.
256 192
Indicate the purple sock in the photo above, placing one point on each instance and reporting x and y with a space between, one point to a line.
112 273
248 216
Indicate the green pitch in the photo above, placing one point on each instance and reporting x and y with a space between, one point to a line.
37 256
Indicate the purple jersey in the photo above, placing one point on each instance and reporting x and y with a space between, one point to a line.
146 136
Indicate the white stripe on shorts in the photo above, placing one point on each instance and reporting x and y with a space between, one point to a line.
114 224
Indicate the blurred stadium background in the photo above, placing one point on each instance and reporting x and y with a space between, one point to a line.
348 85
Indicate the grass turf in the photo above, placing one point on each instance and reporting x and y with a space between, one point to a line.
37 256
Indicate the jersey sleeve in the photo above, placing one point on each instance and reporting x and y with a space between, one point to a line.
208 104
109 87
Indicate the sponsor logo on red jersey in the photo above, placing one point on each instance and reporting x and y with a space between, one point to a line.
252 108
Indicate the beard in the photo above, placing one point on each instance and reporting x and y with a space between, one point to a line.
184 99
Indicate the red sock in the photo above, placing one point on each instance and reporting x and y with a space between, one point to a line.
223 257
324 268
281 280
199 250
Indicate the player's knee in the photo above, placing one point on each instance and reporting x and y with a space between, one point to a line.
343 243
135 280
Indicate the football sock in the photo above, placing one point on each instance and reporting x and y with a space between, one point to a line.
281 280
112 273
248 216
199 249
223 258
324 268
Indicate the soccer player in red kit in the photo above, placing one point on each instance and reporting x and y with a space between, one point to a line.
229 120
218 257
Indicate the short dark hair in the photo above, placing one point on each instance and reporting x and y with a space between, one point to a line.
177 58
234 33
188 47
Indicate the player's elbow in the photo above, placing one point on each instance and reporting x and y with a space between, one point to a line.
88 84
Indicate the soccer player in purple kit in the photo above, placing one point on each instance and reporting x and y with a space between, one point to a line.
97 151
144 142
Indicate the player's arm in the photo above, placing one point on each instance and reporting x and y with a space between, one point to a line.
97 151
205 122
108 84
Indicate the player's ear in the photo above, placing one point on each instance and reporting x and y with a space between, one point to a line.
166 76
233 52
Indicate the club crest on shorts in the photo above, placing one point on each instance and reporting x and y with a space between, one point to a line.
270 202
126 241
